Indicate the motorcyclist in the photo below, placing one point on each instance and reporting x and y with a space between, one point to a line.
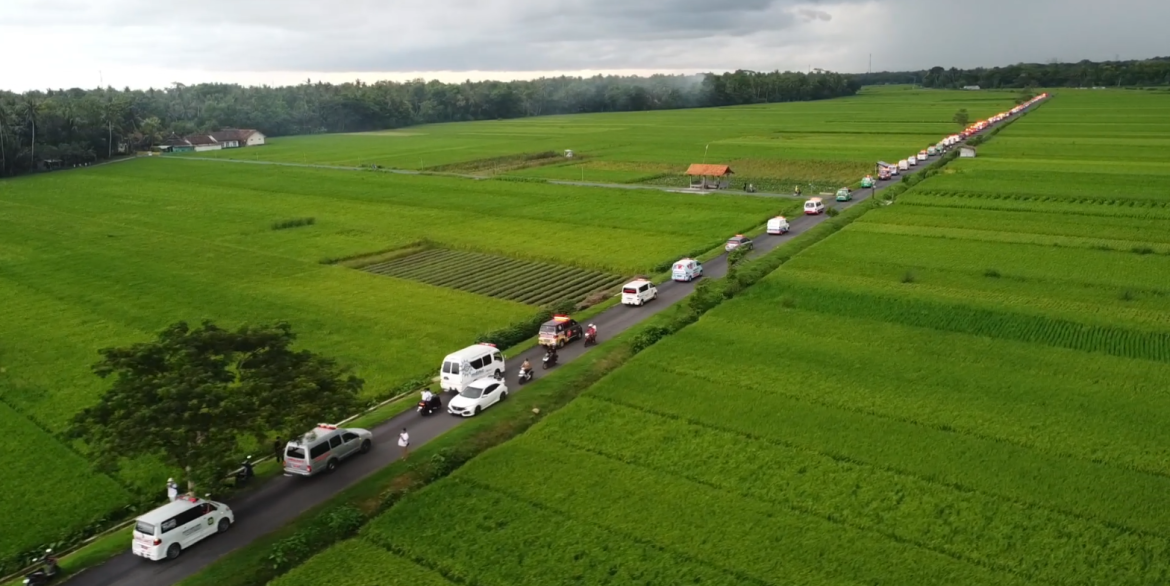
551 353
526 367
591 332
426 395
797 190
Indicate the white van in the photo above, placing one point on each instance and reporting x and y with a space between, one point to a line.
778 225
470 364
903 165
638 292
687 269
913 160
814 206
166 531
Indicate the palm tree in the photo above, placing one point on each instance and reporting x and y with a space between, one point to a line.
6 115
31 108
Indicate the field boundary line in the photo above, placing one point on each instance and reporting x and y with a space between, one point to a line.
564 182
690 420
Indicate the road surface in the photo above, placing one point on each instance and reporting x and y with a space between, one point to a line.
282 499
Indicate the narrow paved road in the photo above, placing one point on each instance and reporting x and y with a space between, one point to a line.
283 499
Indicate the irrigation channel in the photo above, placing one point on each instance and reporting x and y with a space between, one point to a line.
282 499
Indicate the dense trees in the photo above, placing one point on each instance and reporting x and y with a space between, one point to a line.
78 126
1143 73
192 396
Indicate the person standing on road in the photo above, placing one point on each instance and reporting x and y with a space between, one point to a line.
404 443
172 489
278 450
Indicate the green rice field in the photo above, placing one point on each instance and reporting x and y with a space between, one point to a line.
966 387
110 255
825 144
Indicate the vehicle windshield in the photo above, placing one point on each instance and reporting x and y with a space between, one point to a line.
471 392
548 329
295 453
451 367
144 528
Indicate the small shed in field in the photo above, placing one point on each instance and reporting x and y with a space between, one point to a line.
710 176
967 152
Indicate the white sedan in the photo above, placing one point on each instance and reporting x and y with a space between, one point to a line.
478 396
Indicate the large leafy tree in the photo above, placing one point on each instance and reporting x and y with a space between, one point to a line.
191 396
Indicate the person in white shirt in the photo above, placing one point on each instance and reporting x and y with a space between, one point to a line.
404 443
427 395
172 489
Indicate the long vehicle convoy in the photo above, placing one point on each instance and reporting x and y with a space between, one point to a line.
273 504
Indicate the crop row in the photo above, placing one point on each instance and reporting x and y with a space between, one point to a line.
993 323
1039 543
856 250
1056 401
1035 222
712 523
504 541
1141 246
957 416
533 283
361 563
925 197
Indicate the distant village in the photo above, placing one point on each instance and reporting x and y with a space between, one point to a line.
229 138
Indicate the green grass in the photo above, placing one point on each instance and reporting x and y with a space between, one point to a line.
773 145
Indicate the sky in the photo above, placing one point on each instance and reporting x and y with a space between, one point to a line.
153 43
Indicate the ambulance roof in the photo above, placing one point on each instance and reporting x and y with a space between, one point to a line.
169 510
470 352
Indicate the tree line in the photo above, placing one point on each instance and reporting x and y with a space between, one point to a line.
78 126
1135 73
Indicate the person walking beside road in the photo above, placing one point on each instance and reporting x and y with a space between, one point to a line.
278 450
404 443
172 489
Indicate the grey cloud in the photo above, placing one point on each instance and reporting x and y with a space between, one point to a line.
538 35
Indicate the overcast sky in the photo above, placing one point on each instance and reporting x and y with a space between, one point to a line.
144 43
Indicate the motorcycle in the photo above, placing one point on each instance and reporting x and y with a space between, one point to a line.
590 337
428 407
549 360
43 575
245 473
524 376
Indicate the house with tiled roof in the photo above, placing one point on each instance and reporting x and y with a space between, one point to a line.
238 137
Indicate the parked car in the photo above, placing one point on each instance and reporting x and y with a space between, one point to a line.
478 396
638 292
738 241
687 269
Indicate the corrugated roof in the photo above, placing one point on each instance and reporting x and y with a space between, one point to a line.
714 170
237 134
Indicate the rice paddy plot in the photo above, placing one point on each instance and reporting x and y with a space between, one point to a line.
533 283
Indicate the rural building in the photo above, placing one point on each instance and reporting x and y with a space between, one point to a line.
204 142
967 152
710 176
176 144
971 87
231 138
